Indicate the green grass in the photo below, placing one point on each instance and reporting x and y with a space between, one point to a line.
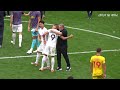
20 68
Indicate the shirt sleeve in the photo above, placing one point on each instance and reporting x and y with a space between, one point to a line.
103 60
64 33
91 60
46 30
49 30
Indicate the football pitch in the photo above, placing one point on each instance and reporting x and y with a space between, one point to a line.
101 31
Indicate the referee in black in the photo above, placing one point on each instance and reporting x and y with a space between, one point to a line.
2 14
61 48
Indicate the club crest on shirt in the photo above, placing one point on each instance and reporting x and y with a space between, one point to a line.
32 17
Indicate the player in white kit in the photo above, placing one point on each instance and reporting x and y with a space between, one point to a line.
50 47
43 40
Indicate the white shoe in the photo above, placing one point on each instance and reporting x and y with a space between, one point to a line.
41 69
35 51
68 68
12 42
29 52
33 63
59 69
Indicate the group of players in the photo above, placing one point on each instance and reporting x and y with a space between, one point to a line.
47 46
46 40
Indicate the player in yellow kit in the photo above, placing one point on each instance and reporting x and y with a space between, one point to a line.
98 66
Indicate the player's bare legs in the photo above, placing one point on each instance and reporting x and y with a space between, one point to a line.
45 59
43 62
37 59
48 63
52 63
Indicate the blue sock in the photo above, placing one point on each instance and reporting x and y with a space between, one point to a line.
37 42
33 43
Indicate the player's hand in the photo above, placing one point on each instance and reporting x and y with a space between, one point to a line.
71 36
43 16
36 30
28 29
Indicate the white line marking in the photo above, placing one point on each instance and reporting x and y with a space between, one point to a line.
94 32
95 51
68 53
83 30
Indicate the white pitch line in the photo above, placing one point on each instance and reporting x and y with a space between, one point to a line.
84 30
17 57
95 32
95 51
68 53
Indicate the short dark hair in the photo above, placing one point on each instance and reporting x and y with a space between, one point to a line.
98 50
41 22
55 24
70 77
57 27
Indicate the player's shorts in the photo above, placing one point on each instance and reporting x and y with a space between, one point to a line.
41 47
49 50
97 77
33 32
17 28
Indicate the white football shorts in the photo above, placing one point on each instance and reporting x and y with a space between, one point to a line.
17 28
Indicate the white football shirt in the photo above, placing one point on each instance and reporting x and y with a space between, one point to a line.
52 37
41 32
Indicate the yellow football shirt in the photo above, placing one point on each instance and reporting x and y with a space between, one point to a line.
97 61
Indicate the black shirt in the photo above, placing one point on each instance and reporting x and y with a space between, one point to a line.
60 42
2 14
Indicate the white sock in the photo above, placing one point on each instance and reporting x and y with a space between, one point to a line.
38 57
43 61
14 37
31 49
20 40
52 63
48 62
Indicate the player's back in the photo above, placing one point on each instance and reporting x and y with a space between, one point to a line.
52 39
97 64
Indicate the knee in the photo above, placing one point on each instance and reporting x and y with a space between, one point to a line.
20 33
